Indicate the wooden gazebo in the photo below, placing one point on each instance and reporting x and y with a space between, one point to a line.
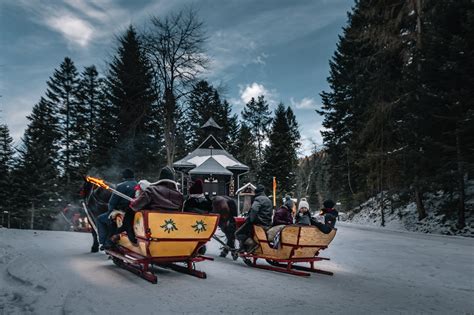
217 168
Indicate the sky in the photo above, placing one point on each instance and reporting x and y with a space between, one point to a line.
278 48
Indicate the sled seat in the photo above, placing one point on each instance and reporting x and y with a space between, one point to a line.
170 236
296 242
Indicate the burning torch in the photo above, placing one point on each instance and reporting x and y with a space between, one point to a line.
101 183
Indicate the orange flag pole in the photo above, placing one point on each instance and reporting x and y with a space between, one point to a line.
274 191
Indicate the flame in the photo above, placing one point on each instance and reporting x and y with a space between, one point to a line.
97 181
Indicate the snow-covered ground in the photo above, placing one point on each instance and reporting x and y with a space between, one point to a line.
376 272
400 216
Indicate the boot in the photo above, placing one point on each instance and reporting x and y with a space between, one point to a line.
224 253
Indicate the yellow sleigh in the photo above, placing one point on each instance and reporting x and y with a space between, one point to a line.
164 239
298 244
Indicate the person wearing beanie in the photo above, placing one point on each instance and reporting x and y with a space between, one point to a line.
166 173
128 174
162 195
330 213
106 227
196 201
283 216
260 213
303 216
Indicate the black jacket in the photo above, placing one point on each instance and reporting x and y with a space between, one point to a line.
128 188
303 218
261 210
197 204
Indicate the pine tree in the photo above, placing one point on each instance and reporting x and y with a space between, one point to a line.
343 109
63 93
90 100
6 166
448 67
257 117
247 152
204 102
281 159
36 175
131 94
105 134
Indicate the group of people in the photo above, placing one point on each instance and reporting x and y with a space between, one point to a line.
261 213
161 195
165 195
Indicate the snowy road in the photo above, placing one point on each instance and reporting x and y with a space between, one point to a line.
376 272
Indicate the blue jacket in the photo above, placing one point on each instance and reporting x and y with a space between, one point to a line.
128 188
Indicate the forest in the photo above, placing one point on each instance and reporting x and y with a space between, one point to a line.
398 116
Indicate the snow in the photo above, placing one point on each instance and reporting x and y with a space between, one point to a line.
376 271
221 159
405 216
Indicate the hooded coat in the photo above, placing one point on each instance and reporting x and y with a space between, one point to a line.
162 195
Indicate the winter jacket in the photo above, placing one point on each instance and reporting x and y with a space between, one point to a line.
118 203
162 195
330 216
197 203
303 218
261 210
282 216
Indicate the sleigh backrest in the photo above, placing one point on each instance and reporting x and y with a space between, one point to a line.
166 234
295 242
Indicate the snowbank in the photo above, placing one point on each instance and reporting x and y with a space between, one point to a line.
405 217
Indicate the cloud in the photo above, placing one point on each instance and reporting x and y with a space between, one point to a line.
246 92
78 21
72 28
261 59
305 103
311 138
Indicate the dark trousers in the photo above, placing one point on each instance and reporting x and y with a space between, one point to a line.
245 231
228 228
105 227
127 225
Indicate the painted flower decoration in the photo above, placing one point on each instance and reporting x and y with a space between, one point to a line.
169 226
199 227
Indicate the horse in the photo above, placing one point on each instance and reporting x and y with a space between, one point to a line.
226 207
96 200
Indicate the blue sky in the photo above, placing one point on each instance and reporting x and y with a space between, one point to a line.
273 47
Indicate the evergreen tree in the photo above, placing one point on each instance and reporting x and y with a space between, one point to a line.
36 175
90 100
104 134
281 154
6 165
63 93
247 152
204 102
131 94
257 117
448 67
343 109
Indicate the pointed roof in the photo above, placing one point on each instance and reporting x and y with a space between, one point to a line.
246 186
210 143
210 166
211 123
199 156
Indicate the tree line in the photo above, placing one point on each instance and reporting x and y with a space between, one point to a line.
144 112
400 106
